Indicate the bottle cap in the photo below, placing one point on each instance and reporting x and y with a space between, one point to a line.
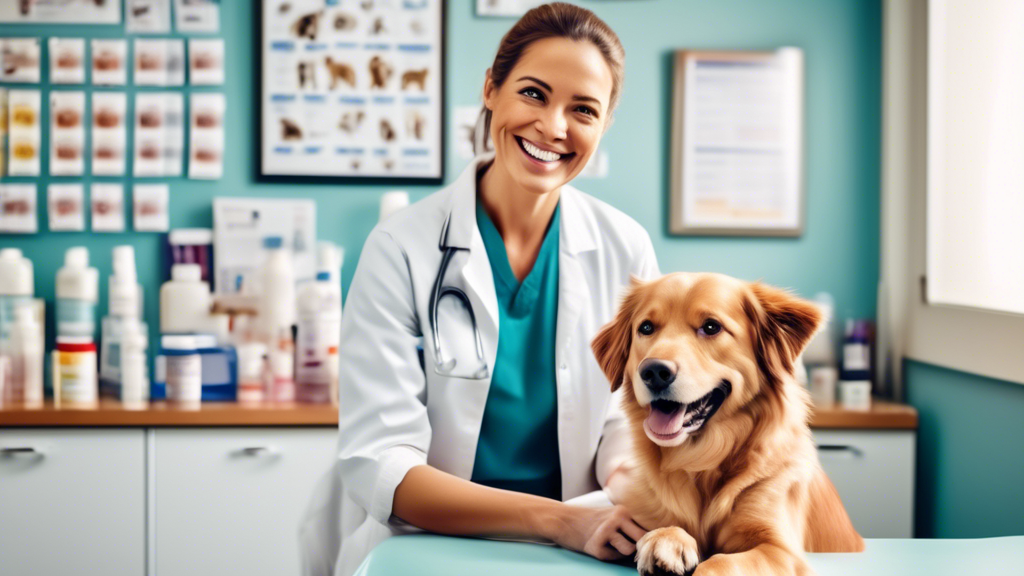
273 242
77 257
124 263
186 273
190 237
178 342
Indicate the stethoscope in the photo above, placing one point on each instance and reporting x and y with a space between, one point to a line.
442 366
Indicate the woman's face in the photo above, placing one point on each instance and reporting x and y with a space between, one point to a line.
548 116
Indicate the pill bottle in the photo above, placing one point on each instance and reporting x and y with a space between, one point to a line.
251 360
184 370
74 374
26 357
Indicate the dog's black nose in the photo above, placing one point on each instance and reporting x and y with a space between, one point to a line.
657 374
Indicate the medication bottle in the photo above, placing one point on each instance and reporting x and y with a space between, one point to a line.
184 369
134 392
318 337
276 310
251 360
820 358
185 301
74 374
193 246
856 351
124 305
26 358
77 293
282 370
16 288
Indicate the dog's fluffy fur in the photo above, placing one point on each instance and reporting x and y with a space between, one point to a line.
744 493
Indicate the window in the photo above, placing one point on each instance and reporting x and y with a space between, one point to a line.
951 287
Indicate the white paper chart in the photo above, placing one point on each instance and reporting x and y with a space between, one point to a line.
352 88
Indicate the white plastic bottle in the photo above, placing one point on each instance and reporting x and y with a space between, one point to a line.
317 345
276 311
123 305
185 301
16 288
251 362
820 358
77 293
184 370
330 259
132 369
26 357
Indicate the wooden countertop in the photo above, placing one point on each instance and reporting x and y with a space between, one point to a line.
113 413
883 415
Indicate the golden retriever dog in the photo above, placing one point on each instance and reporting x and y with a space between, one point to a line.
726 476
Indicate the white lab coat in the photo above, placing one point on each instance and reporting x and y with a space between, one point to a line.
395 415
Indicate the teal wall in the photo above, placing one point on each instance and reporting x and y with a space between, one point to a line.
838 251
970 453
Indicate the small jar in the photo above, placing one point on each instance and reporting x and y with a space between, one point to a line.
251 360
184 368
74 374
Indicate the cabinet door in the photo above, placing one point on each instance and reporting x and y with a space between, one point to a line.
72 501
873 471
229 501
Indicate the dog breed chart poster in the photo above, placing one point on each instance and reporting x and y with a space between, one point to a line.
352 88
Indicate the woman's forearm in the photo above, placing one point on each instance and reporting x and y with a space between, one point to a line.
439 502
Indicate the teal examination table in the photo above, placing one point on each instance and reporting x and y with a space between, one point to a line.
432 555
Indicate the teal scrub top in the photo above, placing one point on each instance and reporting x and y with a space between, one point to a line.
518 445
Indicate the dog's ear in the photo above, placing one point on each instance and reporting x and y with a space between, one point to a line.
611 345
782 325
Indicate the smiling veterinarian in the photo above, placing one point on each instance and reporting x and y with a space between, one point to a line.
491 444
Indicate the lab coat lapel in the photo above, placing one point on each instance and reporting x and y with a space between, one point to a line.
575 238
477 279
471 270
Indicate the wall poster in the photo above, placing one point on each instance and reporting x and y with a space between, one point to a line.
353 89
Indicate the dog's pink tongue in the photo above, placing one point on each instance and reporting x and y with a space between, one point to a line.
665 424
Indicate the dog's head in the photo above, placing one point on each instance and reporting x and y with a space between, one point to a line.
689 346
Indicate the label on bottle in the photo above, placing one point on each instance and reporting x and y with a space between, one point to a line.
75 317
856 356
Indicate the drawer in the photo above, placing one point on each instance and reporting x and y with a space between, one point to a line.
873 471
72 501
229 501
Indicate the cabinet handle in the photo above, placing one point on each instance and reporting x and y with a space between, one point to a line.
837 448
258 451
10 452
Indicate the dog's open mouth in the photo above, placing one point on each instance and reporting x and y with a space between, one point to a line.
667 419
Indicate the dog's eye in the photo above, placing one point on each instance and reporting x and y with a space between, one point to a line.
646 328
710 328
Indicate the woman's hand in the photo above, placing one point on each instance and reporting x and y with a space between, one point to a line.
607 534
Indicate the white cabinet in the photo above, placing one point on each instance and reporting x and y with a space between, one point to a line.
229 501
873 471
72 501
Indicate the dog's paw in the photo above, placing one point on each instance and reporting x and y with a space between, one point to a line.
667 551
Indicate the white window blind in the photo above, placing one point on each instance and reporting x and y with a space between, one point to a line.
975 171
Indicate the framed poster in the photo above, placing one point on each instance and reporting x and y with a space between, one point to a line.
738 143
352 90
